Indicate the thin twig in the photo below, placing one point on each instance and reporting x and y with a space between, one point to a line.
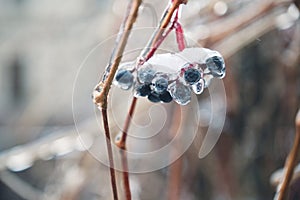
110 154
104 86
117 42
122 142
164 22
290 163
278 175
174 180
179 34
122 145
156 39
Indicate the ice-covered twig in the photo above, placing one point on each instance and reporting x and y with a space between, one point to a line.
290 163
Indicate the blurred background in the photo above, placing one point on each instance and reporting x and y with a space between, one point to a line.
43 45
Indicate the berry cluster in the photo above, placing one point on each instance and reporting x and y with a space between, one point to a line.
193 74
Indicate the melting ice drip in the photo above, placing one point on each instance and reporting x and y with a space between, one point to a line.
172 76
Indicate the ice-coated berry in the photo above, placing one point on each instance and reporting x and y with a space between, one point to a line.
160 84
192 76
146 74
165 97
180 93
124 79
198 87
154 97
216 66
143 90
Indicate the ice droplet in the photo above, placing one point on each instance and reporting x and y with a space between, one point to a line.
198 87
124 79
216 66
192 76
180 93
207 79
146 74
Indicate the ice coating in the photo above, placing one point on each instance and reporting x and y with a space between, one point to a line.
172 76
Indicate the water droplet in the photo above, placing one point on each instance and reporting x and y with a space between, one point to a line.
124 79
118 137
198 87
180 93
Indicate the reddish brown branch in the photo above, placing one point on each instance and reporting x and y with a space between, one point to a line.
104 86
126 182
176 168
162 38
122 145
155 41
290 163
164 22
110 155
122 142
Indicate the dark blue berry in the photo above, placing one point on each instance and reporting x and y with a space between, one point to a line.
143 90
124 76
160 85
216 65
124 79
154 97
165 97
192 76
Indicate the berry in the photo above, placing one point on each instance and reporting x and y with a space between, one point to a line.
143 90
165 97
124 79
154 97
216 66
198 87
180 93
146 74
160 85
192 76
